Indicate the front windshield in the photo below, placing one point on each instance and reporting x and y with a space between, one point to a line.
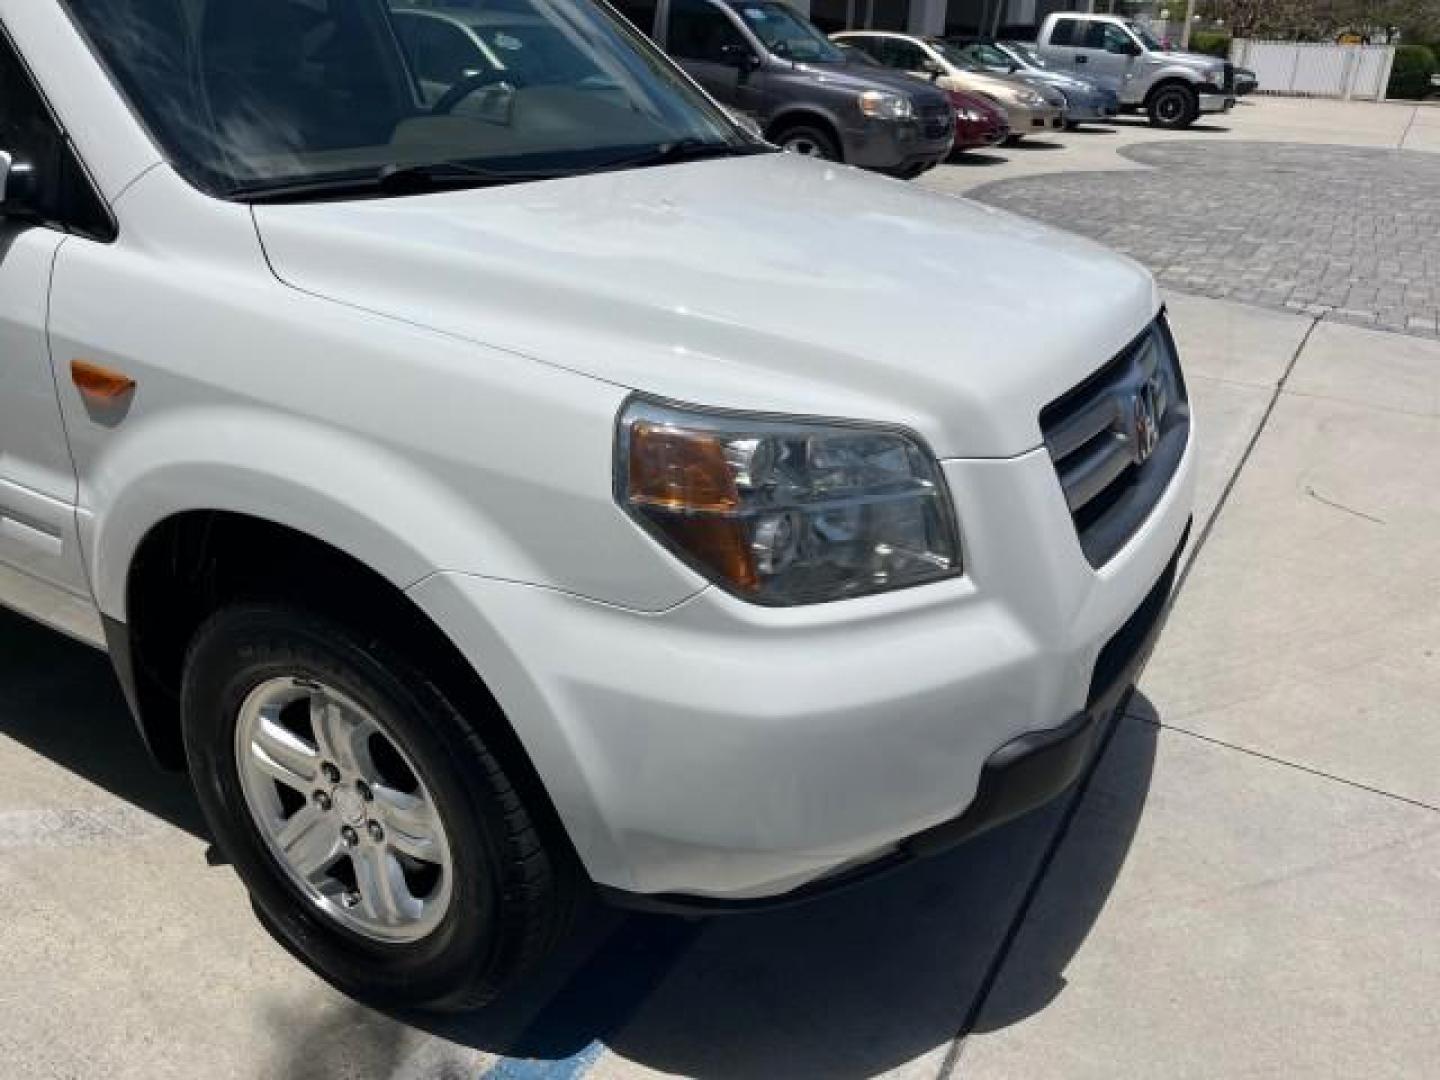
955 55
250 95
1146 38
786 34
1026 55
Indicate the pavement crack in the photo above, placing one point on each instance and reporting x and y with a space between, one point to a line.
1287 763
1224 500
1341 506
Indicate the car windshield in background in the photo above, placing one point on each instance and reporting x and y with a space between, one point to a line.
786 34
317 97
955 55
1024 54
1146 38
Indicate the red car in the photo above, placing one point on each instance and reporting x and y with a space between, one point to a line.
978 121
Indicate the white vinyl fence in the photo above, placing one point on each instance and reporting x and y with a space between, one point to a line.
1336 71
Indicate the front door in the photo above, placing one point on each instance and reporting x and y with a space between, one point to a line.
1105 52
715 52
37 478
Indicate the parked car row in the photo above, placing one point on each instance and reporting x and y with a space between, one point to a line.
893 102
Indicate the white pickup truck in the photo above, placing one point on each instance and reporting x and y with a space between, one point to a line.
493 490
1172 88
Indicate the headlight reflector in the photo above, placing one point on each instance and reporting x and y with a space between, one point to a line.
878 105
784 511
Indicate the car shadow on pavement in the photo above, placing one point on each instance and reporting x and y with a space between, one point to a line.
849 986
1030 142
973 158
1134 122
60 699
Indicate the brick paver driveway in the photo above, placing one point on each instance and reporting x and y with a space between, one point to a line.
1350 233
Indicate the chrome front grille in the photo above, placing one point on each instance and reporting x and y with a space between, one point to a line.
1116 440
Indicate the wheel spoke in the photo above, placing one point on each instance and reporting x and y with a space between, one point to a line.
342 735
310 842
284 756
411 825
383 890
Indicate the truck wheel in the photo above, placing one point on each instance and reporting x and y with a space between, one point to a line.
1173 106
381 840
809 140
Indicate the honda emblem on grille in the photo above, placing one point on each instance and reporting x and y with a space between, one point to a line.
1145 421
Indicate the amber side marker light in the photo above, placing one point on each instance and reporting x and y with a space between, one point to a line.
100 384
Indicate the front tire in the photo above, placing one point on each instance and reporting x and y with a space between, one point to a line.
381 840
809 140
1173 106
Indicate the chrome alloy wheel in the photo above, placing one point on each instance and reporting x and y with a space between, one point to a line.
343 810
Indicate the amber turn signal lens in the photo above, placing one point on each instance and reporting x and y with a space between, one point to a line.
683 485
98 383
679 470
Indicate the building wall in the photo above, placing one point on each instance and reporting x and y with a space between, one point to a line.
932 17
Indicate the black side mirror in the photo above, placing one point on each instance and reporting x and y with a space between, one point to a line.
933 68
17 186
1132 49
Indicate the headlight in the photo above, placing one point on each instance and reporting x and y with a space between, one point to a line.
785 511
1029 97
879 105
969 116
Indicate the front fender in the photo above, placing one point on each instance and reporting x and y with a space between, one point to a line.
371 504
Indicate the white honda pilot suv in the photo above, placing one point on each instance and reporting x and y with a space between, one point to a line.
499 483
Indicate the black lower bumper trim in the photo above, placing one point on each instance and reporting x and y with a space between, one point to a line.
1021 776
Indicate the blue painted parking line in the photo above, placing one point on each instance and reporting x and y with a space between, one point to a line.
568 1034
571 1068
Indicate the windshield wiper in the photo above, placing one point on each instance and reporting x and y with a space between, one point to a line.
392 179
682 150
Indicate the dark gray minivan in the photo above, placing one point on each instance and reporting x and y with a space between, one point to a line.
764 59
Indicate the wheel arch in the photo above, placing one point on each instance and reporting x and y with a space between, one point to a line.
799 115
1166 81
191 563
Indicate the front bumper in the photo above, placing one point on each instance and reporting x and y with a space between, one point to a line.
728 751
1021 776
895 145
972 134
1090 109
1025 120
1216 103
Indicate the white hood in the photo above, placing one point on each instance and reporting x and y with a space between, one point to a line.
773 283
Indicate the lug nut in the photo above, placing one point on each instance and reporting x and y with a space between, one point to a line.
376 832
322 800
331 772
348 835
350 898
